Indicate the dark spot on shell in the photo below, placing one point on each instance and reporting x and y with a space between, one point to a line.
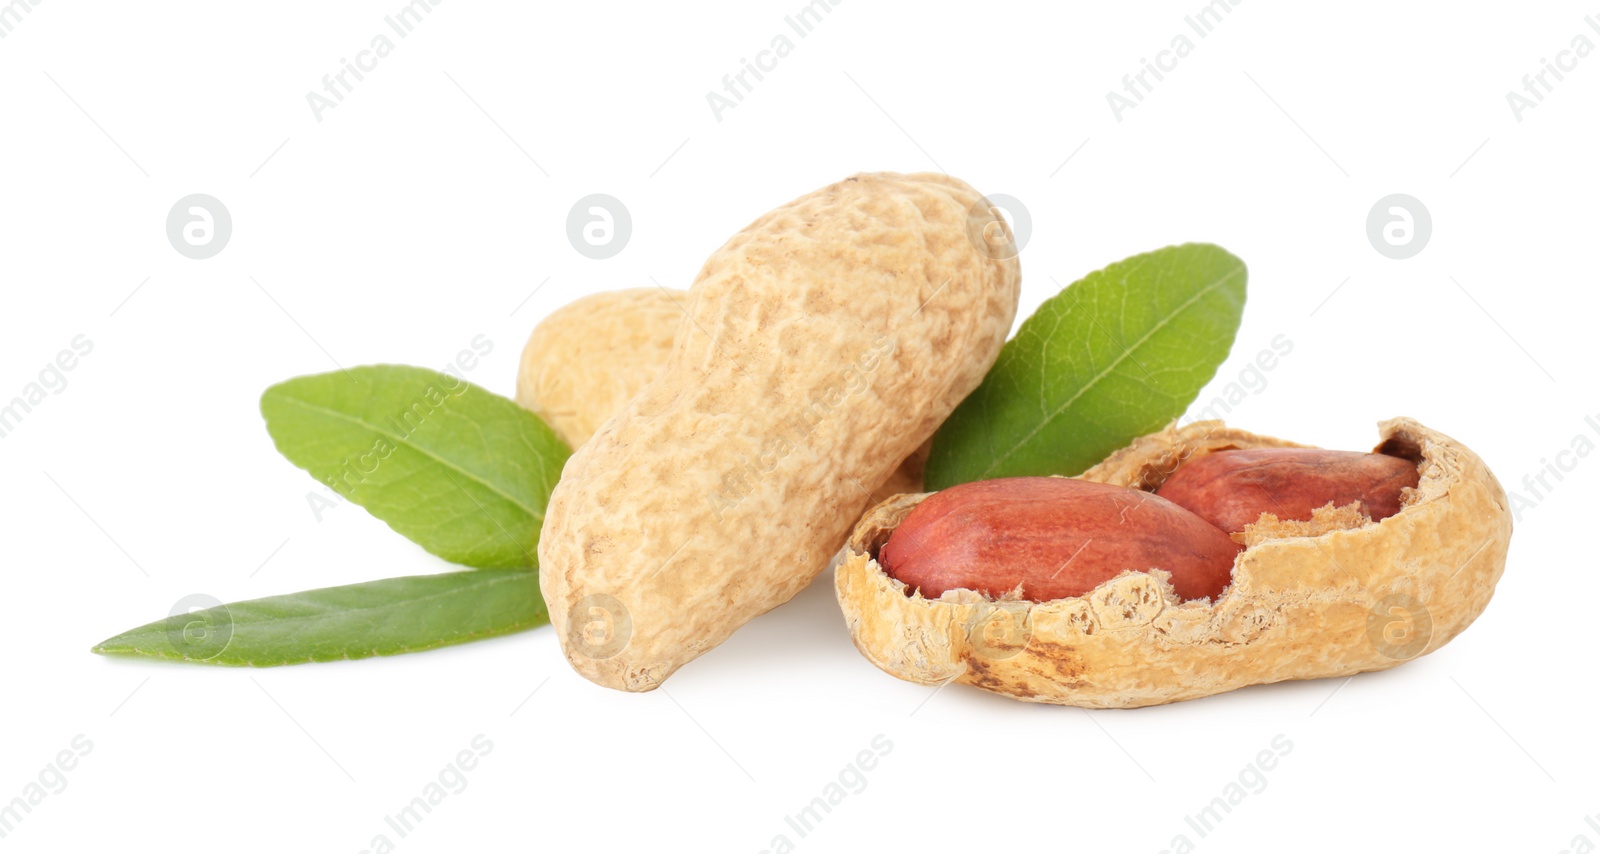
1065 659
979 675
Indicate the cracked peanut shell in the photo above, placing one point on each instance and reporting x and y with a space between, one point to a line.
1334 596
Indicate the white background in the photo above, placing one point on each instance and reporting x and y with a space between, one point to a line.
429 205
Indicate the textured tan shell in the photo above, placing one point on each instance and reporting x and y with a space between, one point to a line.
685 517
587 359
1308 600
584 361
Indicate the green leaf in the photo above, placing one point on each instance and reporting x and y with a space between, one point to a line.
354 621
1118 354
462 472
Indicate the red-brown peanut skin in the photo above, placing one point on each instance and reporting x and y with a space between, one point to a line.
1056 538
1231 489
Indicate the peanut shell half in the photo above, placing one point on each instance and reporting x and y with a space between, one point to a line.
1334 596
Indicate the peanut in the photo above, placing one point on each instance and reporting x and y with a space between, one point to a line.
1307 601
1053 538
1232 488
825 342
587 359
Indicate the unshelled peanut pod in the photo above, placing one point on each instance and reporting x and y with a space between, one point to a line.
1333 595
587 359
825 342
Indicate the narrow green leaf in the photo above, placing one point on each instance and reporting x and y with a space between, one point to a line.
1116 355
458 470
354 621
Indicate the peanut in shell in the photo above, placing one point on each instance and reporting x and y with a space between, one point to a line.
825 342
1333 596
587 359
584 361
